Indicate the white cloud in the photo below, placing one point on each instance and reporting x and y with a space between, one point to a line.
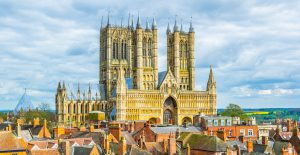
253 45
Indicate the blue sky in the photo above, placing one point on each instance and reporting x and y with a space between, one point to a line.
254 46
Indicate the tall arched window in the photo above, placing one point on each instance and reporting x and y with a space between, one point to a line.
144 52
149 52
115 49
125 51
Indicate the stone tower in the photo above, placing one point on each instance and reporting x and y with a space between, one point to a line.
133 49
180 47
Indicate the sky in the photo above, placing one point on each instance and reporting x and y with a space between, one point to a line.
253 46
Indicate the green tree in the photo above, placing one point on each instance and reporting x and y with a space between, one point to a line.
233 110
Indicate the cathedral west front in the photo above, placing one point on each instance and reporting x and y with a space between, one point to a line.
130 85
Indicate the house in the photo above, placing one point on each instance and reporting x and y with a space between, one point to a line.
10 144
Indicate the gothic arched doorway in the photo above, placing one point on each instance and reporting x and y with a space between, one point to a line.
170 111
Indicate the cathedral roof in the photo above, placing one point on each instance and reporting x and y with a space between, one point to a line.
24 103
129 83
161 77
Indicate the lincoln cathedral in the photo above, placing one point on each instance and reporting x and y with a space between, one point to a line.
130 86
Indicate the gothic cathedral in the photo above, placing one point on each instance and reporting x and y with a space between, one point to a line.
130 86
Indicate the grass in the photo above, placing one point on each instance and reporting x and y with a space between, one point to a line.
257 113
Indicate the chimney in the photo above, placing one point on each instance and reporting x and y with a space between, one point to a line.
122 146
45 127
131 127
172 144
92 127
265 140
141 142
249 146
289 125
65 145
177 133
165 142
9 128
106 144
222 135
242 139
115 130
19 130
60 130
188 149
36 122
295 132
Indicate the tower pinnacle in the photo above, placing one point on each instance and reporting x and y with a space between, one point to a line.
181 28
138 24
154 26
108 24
168 28
175 25
147 25
191 26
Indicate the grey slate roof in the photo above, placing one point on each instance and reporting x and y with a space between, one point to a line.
129 139
129 83
80 150
207 143
161 76
26 135
137 151
168 129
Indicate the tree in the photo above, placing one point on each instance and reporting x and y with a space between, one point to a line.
44 106
233 110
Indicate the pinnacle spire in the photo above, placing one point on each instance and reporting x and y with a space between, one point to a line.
154 26
147 25
181 28
101 22
191 26
78 92
132 27
64 86
108 24
89 87
175 25
122 21
168 28
58 87
138 24
211 78
128 20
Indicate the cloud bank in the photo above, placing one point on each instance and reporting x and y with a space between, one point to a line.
252 45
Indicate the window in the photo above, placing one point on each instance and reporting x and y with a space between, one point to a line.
229 122
211 133
215 122
250 132
209 122
230 133
242 132
222 122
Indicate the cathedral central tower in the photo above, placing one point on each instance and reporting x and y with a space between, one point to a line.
180 47
133 50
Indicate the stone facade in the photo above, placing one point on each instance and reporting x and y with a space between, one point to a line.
130 86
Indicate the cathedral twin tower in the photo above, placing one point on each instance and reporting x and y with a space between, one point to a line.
134 51
130 86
